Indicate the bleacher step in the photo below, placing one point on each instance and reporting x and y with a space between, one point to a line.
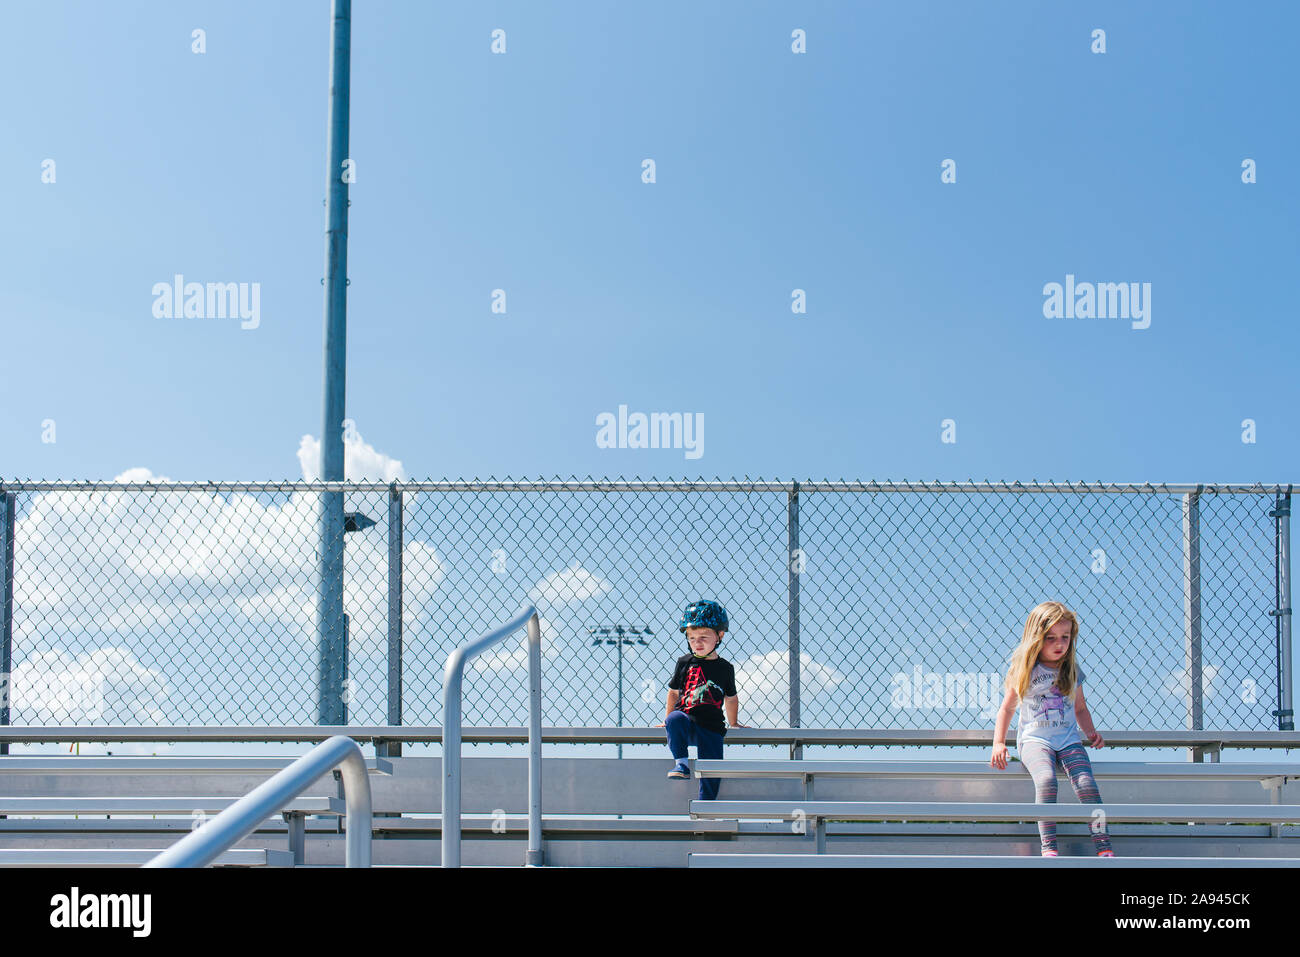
132 857
976 860
69 806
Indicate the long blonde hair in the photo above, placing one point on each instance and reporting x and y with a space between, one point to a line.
1040 621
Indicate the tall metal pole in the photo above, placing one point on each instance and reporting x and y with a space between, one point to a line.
619 632
533 857
330 626
7 510
1192 612
1282 517
793 564
393 749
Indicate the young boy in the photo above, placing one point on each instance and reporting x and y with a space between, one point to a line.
701 686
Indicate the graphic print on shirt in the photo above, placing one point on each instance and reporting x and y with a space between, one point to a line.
1052 701
1046 713
699 690
1044 705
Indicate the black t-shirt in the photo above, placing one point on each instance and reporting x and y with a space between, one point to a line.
704 682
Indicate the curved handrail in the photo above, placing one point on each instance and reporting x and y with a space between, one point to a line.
236 822
451 728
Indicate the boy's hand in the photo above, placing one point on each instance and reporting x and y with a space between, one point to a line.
999 758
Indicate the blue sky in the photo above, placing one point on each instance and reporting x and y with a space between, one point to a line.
775 172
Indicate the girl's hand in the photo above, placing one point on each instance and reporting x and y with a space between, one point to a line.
1095 740
999 758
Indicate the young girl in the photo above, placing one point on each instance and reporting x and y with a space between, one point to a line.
1046 680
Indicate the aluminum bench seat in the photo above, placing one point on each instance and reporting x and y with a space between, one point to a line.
20 827
817 813
979 811
1147 771
977 860
573 827
130 857
167 764
68 806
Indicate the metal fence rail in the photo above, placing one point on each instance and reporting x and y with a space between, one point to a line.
853 604
382 737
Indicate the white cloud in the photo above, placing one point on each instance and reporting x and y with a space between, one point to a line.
574 584
513 652
107 685
1178 683
361 462
132 570
570 586
763 683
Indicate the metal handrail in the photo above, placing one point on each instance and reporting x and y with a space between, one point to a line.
236 822
451 734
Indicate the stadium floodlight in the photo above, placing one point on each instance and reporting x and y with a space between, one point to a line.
618 635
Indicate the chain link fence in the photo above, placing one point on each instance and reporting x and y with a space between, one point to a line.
852 604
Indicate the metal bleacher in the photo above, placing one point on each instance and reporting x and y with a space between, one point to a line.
606 811
73 811
1168 815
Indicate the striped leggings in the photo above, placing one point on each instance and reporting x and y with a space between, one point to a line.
1041 761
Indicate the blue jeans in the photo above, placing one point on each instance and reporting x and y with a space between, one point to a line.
682 731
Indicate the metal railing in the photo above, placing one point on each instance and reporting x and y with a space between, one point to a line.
380 735
853 604
451 734
232 825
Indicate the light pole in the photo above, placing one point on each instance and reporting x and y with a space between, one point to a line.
329 600
619 635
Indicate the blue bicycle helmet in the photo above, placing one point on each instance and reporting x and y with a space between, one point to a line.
704 614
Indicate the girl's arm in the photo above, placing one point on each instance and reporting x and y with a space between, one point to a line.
999 758
1085 719
732 706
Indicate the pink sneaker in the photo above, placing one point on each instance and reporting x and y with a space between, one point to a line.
1048 852
1105 853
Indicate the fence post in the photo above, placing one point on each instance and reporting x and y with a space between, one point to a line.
792 610
6 611
393 749
1282 534
345 663
1192 612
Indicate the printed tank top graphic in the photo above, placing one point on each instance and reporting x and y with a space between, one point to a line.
699 690
1044 709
